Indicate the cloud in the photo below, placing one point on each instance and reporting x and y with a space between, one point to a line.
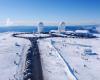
11 22
8 22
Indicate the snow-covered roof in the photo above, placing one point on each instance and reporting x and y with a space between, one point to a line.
53 30
69 31
81 31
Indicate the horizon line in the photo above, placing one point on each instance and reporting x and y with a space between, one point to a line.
10 22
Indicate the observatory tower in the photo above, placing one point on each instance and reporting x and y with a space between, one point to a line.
61 28
40 27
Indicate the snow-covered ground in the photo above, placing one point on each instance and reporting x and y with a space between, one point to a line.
61 58
53 66
34 35
84 66
12 56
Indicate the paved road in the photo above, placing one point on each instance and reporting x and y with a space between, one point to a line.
33 68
